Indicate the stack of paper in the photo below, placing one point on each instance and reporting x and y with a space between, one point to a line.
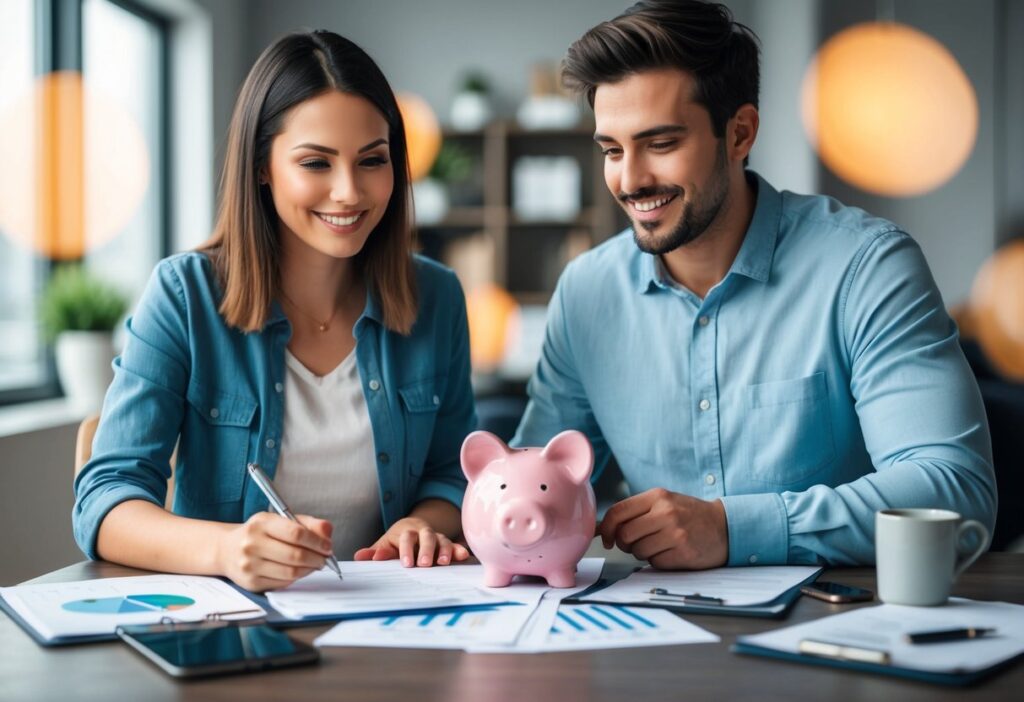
534 622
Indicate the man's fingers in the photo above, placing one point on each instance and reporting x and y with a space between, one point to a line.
444 550
290 554
386 552
364 554
460 552
320 527
651 546
629 508
636 529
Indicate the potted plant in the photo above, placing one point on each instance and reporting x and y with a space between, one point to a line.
453 165
471 108
79 314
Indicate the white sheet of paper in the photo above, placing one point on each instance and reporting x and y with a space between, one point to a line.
500 626
736 586
375 586
88 607
883 628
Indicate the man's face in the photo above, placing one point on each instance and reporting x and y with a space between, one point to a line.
662 161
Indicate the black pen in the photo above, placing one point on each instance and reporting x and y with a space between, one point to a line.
940 635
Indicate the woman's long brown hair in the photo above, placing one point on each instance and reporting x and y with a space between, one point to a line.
245 247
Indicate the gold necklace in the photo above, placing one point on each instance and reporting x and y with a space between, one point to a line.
321 326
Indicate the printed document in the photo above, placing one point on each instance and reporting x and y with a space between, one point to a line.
89 607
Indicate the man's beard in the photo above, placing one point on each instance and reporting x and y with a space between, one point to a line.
697 214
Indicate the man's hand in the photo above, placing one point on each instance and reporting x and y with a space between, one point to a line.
669 530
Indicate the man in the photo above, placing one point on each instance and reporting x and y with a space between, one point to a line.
768 369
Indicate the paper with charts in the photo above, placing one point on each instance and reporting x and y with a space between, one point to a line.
737 587
574 628
90 607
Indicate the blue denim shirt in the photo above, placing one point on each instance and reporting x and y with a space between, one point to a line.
819 381
184 373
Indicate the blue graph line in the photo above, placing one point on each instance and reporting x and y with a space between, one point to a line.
571 623
389 621
555 630
454 619
621 622
596 622
642 620
427 619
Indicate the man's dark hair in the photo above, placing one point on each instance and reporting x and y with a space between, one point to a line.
698 37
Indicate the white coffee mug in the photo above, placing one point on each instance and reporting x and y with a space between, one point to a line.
919 553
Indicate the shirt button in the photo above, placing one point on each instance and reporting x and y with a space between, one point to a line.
270 443
709 479
704 405
215 413
383 457
387 496
374 385
704 320
437 400
752 559
278 387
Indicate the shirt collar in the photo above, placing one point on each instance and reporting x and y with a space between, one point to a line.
370 311
754 259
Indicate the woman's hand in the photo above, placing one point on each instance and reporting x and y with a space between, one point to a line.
269 551
416 542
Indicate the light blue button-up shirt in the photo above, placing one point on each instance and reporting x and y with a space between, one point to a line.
820 381
186 377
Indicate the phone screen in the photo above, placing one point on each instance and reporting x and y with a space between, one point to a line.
221 649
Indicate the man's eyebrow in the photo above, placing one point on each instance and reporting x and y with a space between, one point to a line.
334 152
660 130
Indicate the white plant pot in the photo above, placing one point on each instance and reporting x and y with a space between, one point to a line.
430 199
83 365
470 110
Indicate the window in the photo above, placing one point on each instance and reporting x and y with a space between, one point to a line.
108 204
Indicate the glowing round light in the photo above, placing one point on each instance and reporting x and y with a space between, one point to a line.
73 168
889 109
997 309
422 133
490 310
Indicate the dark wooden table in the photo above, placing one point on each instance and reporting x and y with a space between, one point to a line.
110 671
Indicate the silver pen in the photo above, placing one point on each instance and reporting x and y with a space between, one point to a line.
278 505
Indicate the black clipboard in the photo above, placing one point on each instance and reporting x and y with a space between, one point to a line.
773 609
950 678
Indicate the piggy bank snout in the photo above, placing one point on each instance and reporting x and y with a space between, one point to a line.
521 523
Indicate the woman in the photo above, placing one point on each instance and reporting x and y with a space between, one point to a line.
303 336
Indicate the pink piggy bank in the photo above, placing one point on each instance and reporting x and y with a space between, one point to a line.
528 511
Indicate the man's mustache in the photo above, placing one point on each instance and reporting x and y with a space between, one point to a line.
649 192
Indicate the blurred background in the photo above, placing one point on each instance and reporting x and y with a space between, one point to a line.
113 116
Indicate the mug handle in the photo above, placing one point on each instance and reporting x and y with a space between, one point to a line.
964 561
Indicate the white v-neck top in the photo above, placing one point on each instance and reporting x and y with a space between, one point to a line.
327 467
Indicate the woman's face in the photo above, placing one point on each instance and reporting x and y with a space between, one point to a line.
330 173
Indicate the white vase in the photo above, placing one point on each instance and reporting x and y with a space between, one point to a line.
430 200
83 365
470 111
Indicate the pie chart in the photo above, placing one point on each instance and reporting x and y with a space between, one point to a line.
133 604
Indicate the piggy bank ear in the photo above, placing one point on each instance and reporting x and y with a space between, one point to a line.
572 450
480 449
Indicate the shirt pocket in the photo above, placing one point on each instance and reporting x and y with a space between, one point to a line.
216 431
420 402
789 431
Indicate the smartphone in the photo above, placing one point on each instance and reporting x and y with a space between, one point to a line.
216 648
836 592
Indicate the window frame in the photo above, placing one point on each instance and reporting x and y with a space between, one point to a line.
58 39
